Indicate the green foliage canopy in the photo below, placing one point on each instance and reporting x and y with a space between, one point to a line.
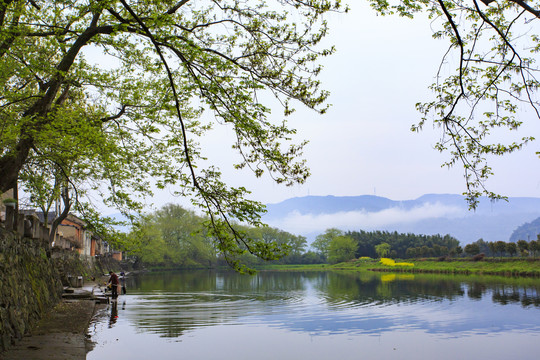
117 129
472 249
322 241
341 249
382 249
403 245
172 237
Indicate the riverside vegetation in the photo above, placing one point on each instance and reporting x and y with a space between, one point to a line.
103 102
464 266
173 238
486 266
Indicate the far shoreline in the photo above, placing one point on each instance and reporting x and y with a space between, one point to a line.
516 267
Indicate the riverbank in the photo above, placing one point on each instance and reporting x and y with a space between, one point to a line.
32 280
517 267
61 334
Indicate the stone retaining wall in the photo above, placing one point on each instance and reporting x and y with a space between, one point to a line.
29 285
32 280
70 264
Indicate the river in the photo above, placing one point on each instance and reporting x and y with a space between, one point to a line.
319 315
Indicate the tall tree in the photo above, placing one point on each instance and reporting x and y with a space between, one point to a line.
322 241
523 246
298 245
140 114
500 247
341 248
534 246
172 236
511 248
382 249
472 249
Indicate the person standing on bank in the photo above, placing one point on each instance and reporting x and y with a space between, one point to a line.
113 280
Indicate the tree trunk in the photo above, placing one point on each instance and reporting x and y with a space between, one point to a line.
12 163
62 216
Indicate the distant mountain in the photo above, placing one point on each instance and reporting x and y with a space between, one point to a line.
430 214
329 204
528 231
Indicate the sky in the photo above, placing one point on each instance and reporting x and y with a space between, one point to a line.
363 145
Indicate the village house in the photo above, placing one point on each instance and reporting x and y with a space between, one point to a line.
72 233
96 245
74 230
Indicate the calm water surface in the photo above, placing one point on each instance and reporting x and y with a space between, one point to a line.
319 315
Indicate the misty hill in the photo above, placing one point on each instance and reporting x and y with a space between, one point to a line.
528 231
430 214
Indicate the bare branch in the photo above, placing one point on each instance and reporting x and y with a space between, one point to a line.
173 88
524 5
115 117
514 52
34 4
459 41
178 5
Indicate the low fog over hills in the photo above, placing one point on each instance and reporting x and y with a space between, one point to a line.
429 214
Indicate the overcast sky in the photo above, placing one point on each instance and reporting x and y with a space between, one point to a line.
364 145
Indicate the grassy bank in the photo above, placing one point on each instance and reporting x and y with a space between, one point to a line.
491 266
488 266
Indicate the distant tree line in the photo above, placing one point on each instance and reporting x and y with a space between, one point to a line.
336 246
405 245
521 248
173 237
295 247
332 244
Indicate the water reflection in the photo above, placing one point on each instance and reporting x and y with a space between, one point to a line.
176 306
114 314
171 304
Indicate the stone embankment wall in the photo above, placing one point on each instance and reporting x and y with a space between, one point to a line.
69 264
29 285
32 278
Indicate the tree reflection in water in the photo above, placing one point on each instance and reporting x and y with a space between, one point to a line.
315 315
174 303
